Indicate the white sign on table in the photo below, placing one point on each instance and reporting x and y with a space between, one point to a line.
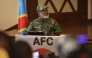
38 42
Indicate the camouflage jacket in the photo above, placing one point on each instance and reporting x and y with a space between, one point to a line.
48 26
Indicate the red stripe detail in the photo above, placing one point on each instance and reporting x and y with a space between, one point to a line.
43 51
23 22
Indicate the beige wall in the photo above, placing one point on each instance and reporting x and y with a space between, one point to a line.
8 13
89 9
58 4
67 7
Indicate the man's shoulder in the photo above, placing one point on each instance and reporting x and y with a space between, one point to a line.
35 20
52 19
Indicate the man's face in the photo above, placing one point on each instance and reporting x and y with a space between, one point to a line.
43 13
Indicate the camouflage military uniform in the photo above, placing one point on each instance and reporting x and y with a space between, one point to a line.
48 26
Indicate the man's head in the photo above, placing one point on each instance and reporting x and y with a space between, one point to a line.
42 11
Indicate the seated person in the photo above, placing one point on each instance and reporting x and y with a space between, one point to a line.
44 23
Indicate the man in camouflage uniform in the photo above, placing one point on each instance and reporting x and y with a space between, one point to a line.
44 23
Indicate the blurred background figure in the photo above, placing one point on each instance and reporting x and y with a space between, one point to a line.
50 55
41 56
23 50
3 53
70 48
67 45
6 44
